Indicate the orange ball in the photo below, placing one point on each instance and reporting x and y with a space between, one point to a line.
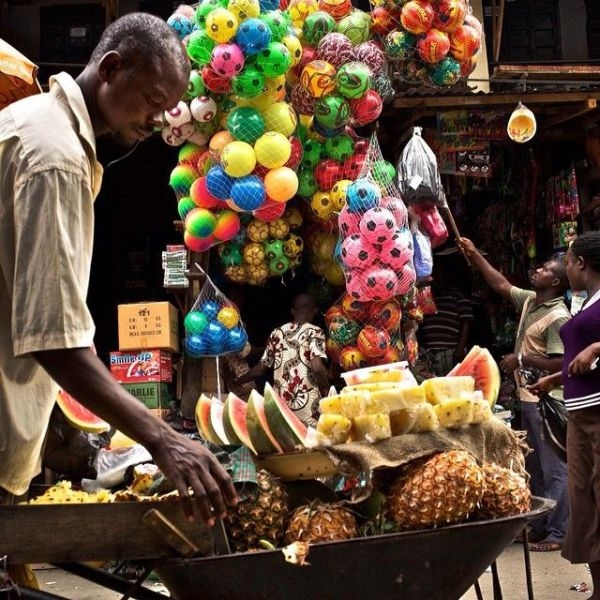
318 78
218 142
433 46
464 42
281 184
449 14
417 16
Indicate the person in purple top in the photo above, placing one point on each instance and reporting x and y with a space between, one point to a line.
581 381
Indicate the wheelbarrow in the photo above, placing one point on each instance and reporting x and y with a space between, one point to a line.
433 564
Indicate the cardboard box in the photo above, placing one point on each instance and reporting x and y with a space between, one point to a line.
152 395
148 325
145 366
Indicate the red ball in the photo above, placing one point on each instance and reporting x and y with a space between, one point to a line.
302 100
332 312
308 55
372 341
417 16
385 315
391 355
366 109
269 211
383 20
464 42
351 358
260 171
433 46
219 84
327 172
353 308
467 67
201 196
353 166
197 244
296 155
449 14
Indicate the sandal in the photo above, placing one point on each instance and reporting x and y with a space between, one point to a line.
544 546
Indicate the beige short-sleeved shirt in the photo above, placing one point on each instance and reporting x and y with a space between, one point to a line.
49 179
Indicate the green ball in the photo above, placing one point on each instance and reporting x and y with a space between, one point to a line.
279 265
332 112
316 26
246 124
399 44
353 79
339 147
195 322
200 47
195 86
204 9
307 185
446 72
277 22
249 83
273 249
184 206
383 172
231 254
356 27
274 60
313 152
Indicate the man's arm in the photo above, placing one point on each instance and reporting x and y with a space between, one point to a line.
317 365
493 277
255 372
185 463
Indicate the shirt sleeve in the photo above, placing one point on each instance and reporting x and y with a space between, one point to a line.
317 344
465 309
554 344
519 296
268 357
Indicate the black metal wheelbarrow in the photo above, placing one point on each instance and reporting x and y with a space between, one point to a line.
433 564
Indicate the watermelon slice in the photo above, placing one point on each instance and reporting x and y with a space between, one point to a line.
79 416
285 425
216 420
234 421
482 367
203 420
259 432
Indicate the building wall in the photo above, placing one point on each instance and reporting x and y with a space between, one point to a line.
572 17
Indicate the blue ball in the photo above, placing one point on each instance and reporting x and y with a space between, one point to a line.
266 5
216 336
362 195
252 36
237 339
182 25
196 346
218 183
337 252
210 309
248 193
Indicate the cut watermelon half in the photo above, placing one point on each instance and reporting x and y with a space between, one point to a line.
203 420
234 421
285 425
79 416
259 431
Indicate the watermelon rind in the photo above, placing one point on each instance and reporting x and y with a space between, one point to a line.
216 420
234 421
203 420
263 440
283 423
79 416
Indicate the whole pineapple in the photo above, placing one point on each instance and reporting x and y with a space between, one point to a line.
262 516
443 489
321 522
506 493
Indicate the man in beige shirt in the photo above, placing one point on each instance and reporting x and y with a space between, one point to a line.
49 179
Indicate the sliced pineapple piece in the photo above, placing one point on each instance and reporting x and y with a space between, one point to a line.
480 409
454 413
331 405
403 419
383 375
426 420
414 394
354 404
371 428
335 427
442 389
372 387
384 401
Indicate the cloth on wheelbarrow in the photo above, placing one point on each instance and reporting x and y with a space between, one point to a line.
492 441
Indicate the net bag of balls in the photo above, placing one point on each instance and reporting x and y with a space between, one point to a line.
418 174
213 326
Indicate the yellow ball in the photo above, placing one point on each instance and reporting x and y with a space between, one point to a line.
228 316
272 149
300 9
292 43
244 9
338 194
257 231
281 184
253 253
280 117
238 159
318 78
334 274
274 85
221 25
321 205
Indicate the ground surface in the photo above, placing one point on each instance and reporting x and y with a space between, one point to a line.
552 578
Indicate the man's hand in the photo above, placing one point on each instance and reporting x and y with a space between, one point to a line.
193 468
543 385
467 247
509 363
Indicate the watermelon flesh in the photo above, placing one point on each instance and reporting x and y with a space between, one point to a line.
263 440
203 420
79 416
234 421
285 425
481 366
216 419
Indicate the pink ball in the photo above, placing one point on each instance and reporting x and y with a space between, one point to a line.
335 48
397 208
348 222
377 225
227 59
406 279
395 252
355 285
356 253
380 284
371 55
228 225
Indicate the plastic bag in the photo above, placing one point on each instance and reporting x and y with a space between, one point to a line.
423 256
418 174
433 224
213 326
554 418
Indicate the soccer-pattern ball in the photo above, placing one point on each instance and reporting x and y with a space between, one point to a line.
278 228
273 249
221 25
362 195
372 341
356 253
249 83
203 108
252 36
254 253
338 194
381 284
244 9
257 274
348 222
377 225
257 231
274 60
293 245
321 205
395 251
227 59
181 24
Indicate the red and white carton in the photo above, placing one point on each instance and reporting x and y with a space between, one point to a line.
142 366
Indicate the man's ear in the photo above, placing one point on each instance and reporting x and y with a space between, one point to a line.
108 65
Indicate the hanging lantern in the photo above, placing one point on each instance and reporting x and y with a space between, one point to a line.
521 125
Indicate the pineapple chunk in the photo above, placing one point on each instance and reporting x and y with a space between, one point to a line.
442 389
403 420
372 387
354 404
335 427
384 375
330 405
453 413
426 419
371 428
480 409
414 394
384 401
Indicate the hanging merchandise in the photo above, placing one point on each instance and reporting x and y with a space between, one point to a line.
423 256
213 326
521 125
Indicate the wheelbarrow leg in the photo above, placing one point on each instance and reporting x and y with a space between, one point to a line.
496 582
527 561
477 588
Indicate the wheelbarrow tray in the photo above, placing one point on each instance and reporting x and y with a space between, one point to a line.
433 564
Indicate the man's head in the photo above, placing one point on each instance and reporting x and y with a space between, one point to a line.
552 275
304 308
138 70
